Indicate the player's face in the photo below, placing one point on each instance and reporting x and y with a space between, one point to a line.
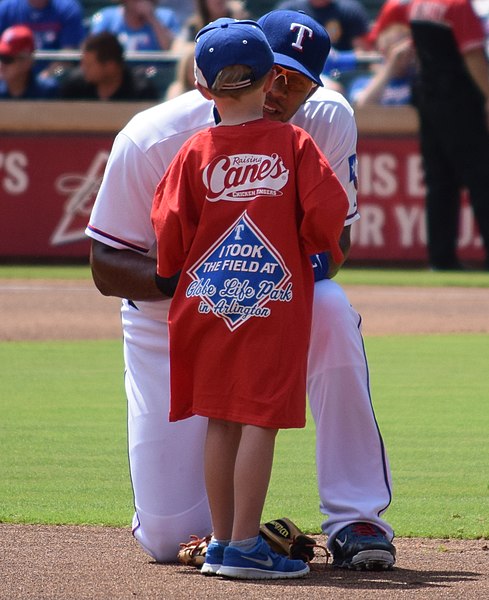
290 90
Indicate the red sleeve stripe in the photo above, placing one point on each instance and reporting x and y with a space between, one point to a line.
118 240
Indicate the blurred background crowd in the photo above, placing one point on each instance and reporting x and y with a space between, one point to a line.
431 54
143 49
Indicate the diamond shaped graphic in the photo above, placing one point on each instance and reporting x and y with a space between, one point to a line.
239 275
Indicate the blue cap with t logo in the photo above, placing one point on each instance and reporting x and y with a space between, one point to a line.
298 41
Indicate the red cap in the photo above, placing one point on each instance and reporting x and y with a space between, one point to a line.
392 11
16 40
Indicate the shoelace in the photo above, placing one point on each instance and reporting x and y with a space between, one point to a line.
194 544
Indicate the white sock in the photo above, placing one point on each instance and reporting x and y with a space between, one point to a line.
245 545
220 542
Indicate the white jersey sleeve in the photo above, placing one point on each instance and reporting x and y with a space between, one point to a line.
138 160
330 120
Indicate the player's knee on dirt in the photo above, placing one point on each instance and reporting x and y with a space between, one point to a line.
160 537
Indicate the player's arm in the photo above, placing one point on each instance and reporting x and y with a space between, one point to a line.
340 150
123 273
123 252
331 123
323 264
123 255
325 205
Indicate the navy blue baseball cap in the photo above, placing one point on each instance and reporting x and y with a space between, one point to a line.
226 42
298 41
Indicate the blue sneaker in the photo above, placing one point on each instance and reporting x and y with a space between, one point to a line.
213 558
364 547
260 563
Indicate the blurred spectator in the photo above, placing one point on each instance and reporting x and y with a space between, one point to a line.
182 8
56 24
185 78
103 74
390 82
17 78
346 21
392 12
452 98
355 69
140 25
207 11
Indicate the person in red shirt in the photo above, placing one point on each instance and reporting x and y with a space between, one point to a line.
18 78
392 12
239 211
452 99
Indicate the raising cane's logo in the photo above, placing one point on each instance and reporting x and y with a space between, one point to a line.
242 177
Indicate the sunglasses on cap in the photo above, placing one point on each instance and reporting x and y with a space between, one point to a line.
294 81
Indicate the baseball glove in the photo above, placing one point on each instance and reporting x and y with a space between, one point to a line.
283 536
286 538
193 552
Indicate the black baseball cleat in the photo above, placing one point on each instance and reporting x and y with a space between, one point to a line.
449 266
363 547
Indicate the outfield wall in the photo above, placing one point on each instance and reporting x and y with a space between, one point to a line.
53 154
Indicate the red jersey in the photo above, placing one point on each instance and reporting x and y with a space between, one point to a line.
443 31
239 211
457 16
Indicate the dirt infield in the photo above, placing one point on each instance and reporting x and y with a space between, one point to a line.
86 563
50 310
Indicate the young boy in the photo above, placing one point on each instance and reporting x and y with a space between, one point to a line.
239 211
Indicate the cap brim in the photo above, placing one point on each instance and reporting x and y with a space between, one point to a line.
289 63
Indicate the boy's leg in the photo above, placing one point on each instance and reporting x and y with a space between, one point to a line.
221 447
248 556
238 464
251 479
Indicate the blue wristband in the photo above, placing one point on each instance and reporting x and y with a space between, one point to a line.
320 266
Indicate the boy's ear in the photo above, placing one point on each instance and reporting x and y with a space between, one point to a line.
203 90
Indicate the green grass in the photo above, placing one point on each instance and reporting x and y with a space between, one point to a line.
433 403
63 436
348 275
26 271
411 277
